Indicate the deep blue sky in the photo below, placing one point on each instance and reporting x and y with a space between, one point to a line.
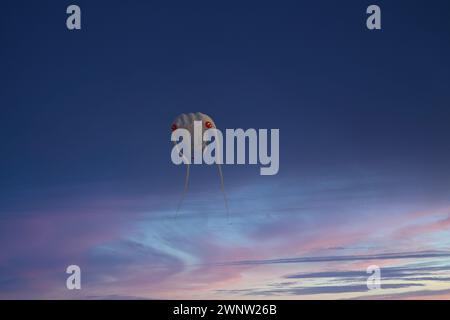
87 114
95 105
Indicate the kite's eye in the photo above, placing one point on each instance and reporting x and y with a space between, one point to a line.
208 124
174 127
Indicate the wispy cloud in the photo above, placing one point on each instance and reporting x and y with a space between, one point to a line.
304 240
318 290
385 256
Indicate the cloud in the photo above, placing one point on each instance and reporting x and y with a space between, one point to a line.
424 228
316 290
385 256
415 294
129 246
387 273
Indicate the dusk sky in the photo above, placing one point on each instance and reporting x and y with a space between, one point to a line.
86 176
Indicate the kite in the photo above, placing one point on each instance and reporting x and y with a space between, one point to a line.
186 121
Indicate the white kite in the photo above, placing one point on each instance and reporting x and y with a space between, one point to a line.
186 121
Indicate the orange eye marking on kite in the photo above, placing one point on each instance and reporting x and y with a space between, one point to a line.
174 127
208 124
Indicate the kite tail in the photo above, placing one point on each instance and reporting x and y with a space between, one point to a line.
186 184
223 190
